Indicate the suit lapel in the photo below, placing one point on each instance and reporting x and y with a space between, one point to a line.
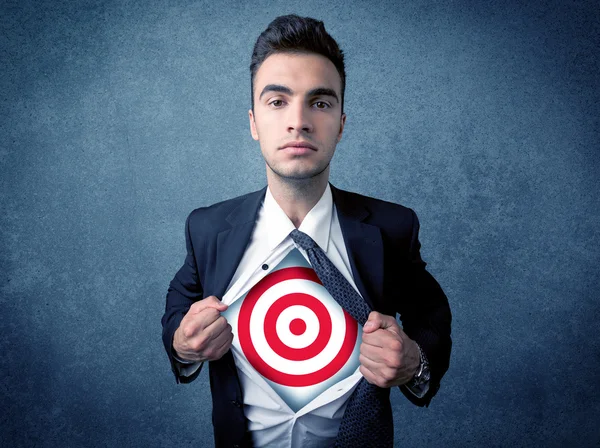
363 243
232 242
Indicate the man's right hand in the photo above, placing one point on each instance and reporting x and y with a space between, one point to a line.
203 335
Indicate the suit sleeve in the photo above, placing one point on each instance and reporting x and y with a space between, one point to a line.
184 290
426 317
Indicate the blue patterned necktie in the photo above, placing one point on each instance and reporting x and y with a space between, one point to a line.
367 420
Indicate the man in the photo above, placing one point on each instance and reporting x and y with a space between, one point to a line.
298 83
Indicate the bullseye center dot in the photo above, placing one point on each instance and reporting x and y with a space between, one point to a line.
297 326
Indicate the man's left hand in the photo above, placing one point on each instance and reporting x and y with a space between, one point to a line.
388 357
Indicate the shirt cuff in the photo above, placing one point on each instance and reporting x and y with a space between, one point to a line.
186 368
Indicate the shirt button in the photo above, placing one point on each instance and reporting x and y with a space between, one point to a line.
265 267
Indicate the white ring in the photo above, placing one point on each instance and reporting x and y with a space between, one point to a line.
307 316
287 366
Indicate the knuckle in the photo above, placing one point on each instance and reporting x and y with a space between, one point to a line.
396 345
199 344
209 312
213 300
388 375
208 316
196 305
187 331
395 362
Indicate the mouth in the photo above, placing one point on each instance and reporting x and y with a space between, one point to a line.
299 147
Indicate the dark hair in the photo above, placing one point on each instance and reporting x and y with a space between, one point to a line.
294 34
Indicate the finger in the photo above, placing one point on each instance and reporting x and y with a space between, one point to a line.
372 366
201 349
193 324
369 376
222 345
384 375
212 347
377 320
382 338
375 354
373 322
205 342
208 302
213 330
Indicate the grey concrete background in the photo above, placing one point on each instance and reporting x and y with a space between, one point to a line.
118 118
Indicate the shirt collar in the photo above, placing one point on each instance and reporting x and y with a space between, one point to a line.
316 224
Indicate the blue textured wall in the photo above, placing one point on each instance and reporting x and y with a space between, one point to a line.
119 118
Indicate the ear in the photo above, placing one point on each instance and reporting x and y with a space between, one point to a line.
253 130
342 124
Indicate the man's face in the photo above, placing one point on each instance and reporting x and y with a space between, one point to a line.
297 101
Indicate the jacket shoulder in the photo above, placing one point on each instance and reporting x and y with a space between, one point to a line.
215 215
382 213
376 203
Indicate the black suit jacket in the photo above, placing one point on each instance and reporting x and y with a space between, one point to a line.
384 251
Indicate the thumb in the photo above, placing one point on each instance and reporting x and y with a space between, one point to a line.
219 302
373 323
378 321
208 302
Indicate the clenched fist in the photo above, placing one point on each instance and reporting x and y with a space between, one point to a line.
203 335
388 357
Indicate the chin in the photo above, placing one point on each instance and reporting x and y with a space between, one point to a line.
298 174
297 170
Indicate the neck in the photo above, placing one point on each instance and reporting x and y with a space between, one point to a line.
297 197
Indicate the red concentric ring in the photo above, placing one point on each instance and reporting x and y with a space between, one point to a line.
254 358
298 354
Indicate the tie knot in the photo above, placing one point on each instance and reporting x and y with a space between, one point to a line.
303 240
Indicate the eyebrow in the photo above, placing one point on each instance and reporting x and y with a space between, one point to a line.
318 91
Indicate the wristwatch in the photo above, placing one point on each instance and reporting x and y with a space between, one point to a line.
423 374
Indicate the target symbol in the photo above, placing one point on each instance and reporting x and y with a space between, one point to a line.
292 331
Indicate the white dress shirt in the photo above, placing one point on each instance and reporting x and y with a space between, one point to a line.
271 422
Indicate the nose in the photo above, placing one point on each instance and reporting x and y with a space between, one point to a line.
299 118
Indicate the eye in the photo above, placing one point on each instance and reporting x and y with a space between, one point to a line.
276 103
322 105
